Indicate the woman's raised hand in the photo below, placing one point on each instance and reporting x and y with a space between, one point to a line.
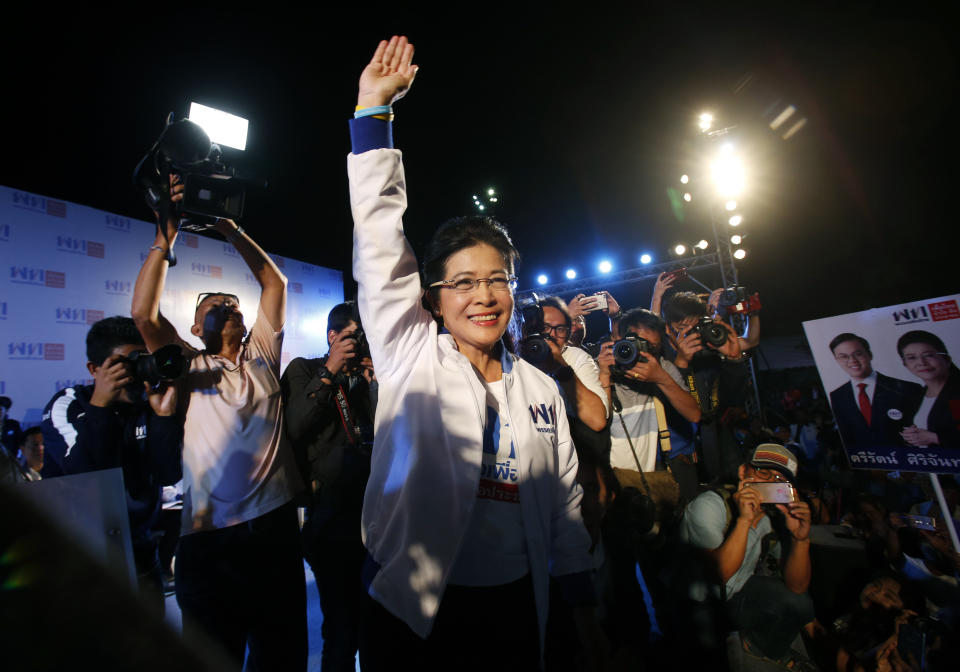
389 74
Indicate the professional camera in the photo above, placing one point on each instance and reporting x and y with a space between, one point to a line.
164 365
735 301
629 350
361 350
711 332
212 189
533 342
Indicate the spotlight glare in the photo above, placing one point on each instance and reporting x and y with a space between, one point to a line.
481 206
645 258
688 197
684 179
736 239
490 192
680 249
605 266
222 127
542 279
731 205
735 220
475 197
703 244
706 121
727 172
571 274
740 254
493 199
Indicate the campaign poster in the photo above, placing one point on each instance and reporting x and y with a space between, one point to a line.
893 384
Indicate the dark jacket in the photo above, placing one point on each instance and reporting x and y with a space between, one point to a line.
944 418
79 438
891 409
333 458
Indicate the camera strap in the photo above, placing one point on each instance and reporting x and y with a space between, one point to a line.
663 434
343 407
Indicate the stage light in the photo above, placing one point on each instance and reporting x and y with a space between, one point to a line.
645 258
703 244
687 197
680 249
706 121
731 205
571 274
740 253
493 199
222 127
727 172
604 266
736 239
490 192
735 220
684 179
476 198
542 279
480 206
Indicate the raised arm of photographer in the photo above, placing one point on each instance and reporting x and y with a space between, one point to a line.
664 282
145 309
389 74
273 283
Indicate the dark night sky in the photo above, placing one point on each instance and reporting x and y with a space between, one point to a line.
582 124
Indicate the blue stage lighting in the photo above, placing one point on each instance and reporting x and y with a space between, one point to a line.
645 258
604 266
542 279
571 274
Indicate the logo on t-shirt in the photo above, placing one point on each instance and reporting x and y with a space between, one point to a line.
499 476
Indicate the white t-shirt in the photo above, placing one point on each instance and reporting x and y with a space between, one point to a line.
585 368
494 550
235 467
640 417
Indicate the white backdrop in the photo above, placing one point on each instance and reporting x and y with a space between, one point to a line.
65 266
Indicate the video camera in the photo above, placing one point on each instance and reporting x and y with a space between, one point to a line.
212 189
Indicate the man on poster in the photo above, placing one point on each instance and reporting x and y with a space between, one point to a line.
871 409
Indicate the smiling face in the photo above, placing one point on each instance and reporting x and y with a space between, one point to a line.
853 358
476 319
923 361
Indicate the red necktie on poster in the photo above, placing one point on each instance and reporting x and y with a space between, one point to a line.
864 402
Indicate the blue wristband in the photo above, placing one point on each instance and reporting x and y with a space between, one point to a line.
371 111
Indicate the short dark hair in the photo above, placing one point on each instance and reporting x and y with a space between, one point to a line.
27 433
460 233
341 315
682 305
641 317
559 304
107 334
847 336
920 336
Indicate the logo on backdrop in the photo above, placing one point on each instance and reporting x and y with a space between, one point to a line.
31 350
324 291
278 260
119 287
230 250
4 233
189 240
3 387
308 269
27 275
206 270
77 246
3 310
122 224
296 288
944 310
251 280
78 315
71 382
48 206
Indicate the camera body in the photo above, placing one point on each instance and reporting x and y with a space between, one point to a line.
736 302
164 365
361 349
533 344
711 332
629 350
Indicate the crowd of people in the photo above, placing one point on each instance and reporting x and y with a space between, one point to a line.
485 492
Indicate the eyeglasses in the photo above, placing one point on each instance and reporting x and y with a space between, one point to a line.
206 295
499 283
857 354
769 474
559 330
923 356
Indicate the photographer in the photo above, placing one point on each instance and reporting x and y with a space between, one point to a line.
582 305
764 587
239 569
710 357
330 404
120 421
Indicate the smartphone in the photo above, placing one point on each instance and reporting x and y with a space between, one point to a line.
777 492
601 301
679 274
919 522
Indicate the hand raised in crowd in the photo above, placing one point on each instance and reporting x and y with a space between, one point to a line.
687 344
577 308
612 306
919 437
748 503
389 74
606 362
163 401
730 347
713 302
664 282
797 515
176 196
342 350
110 380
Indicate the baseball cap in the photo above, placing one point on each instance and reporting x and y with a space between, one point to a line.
775 456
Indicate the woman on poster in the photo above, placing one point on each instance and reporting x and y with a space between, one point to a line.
936 413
